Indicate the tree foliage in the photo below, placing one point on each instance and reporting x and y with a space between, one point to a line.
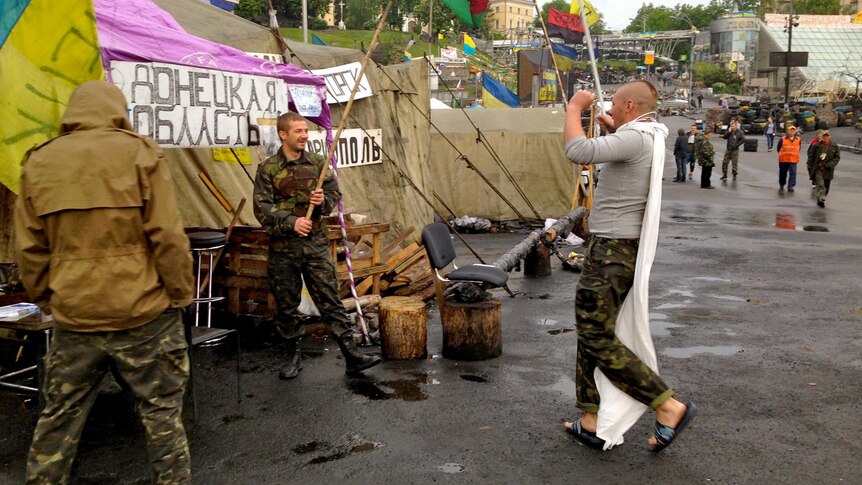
444 18
289 12
564 6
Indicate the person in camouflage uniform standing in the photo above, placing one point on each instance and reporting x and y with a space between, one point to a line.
704 153
608 273
826 158
298 248
101 246
735 139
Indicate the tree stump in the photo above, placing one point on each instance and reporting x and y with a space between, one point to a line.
538 261
471 331
402 328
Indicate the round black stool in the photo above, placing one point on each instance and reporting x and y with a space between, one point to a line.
204 246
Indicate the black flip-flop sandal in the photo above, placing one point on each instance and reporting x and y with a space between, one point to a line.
665 435
586 437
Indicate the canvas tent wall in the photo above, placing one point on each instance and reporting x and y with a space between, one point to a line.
530 144
375 190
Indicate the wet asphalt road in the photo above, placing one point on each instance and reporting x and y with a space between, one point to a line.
755 318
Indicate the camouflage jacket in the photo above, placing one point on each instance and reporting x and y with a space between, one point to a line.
703 151
826 158
282 189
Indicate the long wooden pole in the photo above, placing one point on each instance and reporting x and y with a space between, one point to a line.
346 111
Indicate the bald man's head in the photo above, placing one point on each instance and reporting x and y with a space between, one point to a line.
632 100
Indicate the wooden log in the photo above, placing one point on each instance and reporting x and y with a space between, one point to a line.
400 256
538 261
396 243
402 328
364 302
471 331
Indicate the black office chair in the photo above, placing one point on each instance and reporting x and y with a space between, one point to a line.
441 252
199 330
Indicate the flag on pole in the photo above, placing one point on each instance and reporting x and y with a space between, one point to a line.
440 36
408 56
649 57
564 55
496 95
568 27
458 87
589 11
42 64
469 45
471 12
317 40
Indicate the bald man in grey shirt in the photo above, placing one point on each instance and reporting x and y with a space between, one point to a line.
609 267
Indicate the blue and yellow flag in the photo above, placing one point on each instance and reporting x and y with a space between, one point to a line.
46 51
564 55
469 46
408 56
496 95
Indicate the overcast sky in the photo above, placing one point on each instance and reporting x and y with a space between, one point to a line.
618 12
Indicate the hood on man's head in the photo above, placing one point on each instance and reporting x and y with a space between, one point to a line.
94 105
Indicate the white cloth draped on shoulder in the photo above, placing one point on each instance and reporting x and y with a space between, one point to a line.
618 411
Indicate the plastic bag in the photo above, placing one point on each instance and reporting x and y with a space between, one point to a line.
306 304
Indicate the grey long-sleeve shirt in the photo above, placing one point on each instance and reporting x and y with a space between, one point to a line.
620 198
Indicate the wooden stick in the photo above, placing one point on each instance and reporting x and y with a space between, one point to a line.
346 111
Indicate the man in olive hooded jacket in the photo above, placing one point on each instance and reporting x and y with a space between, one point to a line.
101 246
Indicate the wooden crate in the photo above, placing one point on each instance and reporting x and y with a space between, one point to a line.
241 276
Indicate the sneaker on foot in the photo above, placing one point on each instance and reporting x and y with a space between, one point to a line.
790 189
821 203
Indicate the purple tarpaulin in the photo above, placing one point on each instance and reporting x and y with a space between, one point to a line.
138 30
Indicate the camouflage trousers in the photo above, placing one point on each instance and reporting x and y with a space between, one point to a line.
606 278
291 260
153 362
730 156
821 189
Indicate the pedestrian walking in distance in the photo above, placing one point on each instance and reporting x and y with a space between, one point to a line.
826 158
788 158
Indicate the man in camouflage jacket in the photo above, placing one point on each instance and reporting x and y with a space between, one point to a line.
825 158
283 190
704 153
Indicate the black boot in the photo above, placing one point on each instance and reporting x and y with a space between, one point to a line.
355 361
294 360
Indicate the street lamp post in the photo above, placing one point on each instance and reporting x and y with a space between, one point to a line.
790 25
683 16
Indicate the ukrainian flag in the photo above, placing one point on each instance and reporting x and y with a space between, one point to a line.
564 55
46 51
408 56
316 40
469 46
496 95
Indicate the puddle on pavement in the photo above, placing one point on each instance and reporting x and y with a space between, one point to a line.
670 306
787 220
729 297
309 447
566 386
451 468
344 452
408 389
687 352
683 293
657 316
661 328
711 278
547 321
561 330
473 378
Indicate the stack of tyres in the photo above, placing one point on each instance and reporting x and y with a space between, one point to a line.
809 122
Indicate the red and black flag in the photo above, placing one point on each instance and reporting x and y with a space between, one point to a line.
566 26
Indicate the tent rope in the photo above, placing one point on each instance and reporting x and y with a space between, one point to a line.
481 138
404 174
